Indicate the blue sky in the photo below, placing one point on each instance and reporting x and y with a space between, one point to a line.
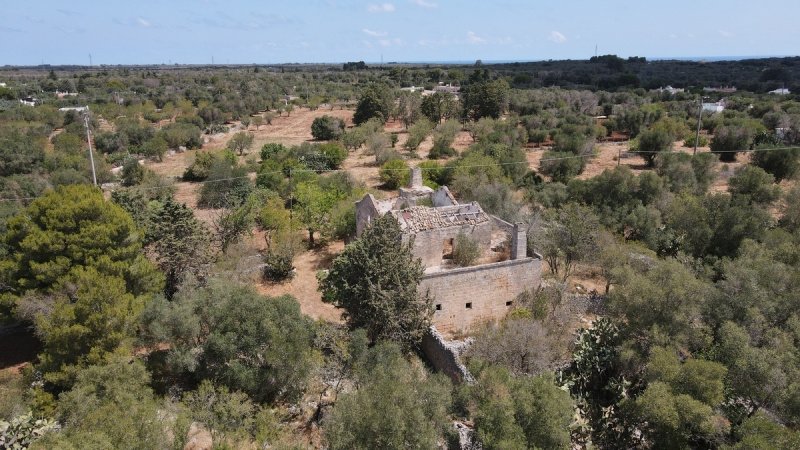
278 31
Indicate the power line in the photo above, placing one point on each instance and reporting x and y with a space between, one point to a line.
292 171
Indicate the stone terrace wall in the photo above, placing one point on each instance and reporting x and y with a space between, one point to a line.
487 288
443 355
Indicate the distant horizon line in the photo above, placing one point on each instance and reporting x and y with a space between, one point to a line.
459 62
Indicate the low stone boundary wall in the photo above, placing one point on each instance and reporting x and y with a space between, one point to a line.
443 355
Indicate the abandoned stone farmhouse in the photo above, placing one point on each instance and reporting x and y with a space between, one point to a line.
464 297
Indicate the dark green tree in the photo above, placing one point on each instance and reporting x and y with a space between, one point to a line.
439 106
375 102
485 99
653 143
730 140
396 405
230 334
69 229
180 244
327 128
375 279
754 184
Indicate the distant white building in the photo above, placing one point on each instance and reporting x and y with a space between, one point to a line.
715 107
2 85
29 101
670 89
447 88
74 108
723 89
60 94
412 89
781 91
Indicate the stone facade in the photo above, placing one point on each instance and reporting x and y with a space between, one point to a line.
466 296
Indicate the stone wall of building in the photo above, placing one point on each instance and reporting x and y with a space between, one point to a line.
466 297
429 245
443 355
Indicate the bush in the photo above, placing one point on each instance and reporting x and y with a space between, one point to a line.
327 128
200 169
782 164
272 151
652 143
465 250
278 266
181 134
417 133
334 154
394 173
227 186
561 167
690 138
754 184
728 141
132 172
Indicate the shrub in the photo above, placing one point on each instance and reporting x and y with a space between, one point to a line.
561 166
132 172
417 133
200 169
278 266
728 141
690 138
334 154
652 143
327 128
782 164
272 150
465 250
394 173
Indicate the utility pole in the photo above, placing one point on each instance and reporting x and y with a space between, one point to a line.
697 136
89 140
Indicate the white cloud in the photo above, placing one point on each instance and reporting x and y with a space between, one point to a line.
143 22
425 3
390 42
557 37
473 38
381 8
374 33
725 34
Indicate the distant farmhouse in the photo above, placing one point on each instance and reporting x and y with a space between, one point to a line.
722 89
670 90
464 297
715 107
449 88
29 101
781 91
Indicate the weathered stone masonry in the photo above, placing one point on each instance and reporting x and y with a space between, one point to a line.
469 296
463 297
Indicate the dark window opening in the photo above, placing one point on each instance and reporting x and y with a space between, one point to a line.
469 305
509 303
438 306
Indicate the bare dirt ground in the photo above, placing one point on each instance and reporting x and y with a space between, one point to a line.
303 286
295 129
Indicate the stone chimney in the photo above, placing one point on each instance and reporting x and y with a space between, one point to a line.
416 178
519 242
